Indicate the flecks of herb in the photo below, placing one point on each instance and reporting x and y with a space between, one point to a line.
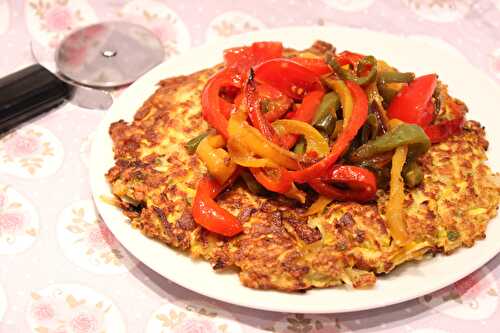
453 235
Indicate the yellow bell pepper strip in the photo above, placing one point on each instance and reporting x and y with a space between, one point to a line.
207 213
318 206
376 100
357 119
314 140
295 193
345 98
216 159
304 113
394 209
243 156
250 137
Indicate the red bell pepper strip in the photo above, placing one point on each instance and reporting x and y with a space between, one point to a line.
441 131
292 79
361 184
207 213
226 108
280 183
254 112
305 112
263 51
277 102
358 118
243 58
411 104
316 65
348 58
307 109
210 100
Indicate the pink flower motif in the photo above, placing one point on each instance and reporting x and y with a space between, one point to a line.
20 145
162 31
11 223
2 199
83 323
100 237
42 311
58 18
195 326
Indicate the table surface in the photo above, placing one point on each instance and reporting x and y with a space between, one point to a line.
63 271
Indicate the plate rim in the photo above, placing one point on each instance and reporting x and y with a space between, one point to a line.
97 178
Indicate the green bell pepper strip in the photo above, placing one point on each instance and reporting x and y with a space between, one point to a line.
370 130
192 144
395 77
300 146
412 174
326 125
387 93
391 77
405 134
252 184
329 105
326 116
368 61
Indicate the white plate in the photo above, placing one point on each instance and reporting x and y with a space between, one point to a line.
410 281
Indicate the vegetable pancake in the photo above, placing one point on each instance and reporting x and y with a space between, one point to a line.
304 169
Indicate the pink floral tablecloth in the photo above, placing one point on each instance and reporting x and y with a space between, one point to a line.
61 270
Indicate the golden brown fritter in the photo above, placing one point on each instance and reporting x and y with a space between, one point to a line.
155 179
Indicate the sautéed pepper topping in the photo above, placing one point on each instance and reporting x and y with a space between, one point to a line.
321 122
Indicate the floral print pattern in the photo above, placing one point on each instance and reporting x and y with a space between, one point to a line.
192 318
162 21
49 21
468 305
88 242
18 221
85 147
473 297
30 152
441 10
68 308
299 323
233 23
